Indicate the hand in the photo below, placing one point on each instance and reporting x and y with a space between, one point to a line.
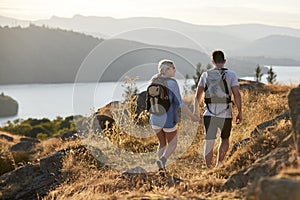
195 117
238 118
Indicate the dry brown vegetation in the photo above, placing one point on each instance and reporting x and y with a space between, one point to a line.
85 177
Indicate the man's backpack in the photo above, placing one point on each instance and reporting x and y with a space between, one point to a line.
157 98
216 89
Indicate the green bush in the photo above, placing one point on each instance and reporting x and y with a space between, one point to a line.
32 127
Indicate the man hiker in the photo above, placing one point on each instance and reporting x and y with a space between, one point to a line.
218 85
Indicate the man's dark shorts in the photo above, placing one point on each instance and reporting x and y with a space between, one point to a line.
212 124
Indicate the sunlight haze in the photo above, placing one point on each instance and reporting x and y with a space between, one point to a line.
205 12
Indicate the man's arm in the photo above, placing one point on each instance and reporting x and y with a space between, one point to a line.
238 103
197 99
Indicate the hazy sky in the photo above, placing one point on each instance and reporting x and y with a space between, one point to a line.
206 12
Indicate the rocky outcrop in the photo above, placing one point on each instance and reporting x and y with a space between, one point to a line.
276 189
259 128
294 104
252 86
32 181
6 137
276 175
8 106
104 115
267 166
26 144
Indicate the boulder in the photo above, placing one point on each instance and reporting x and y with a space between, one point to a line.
8 106
267 166
6 137
26 182
70 135
29 139
135 170
23 146
294 105
277 189
33 181
104 114
286 185
258 129
52 163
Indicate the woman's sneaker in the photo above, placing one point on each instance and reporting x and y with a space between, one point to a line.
161 163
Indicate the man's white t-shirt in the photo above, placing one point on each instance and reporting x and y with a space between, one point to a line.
231 80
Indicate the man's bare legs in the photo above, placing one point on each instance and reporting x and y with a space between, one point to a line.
223 148
208 152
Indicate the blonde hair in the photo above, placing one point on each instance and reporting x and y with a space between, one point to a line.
163 65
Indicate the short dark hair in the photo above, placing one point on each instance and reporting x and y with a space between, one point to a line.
218 56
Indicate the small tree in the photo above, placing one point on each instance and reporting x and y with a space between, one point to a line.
196 77
130 96
258 73
271 78
186 85
130 88
199 72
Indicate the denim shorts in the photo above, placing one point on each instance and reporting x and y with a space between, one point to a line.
166 130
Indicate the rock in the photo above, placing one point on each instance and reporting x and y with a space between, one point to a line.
104 115
135 170
286 185
266 166
33 181
239 144
271 122
294 105
6 137
105 122
69 135
8 106
26 182
258 129
52 163
277 189
252 86
29 139
23 146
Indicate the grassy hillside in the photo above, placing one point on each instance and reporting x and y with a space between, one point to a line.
41 55
84 177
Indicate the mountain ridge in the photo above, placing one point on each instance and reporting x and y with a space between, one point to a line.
43 55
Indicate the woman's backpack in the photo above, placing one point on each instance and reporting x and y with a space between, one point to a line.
157 97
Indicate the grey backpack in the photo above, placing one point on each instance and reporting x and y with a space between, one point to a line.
216 89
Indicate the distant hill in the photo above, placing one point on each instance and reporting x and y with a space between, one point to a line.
236 39
42 55
175 33
274 46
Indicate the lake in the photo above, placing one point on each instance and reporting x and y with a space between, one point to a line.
285 75
52 100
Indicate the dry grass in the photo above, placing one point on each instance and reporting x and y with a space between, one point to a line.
89 181
87 178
